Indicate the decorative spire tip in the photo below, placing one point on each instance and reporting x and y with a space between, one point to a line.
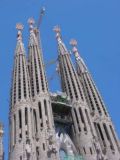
31 21
43 11
19 26
73 42
57 29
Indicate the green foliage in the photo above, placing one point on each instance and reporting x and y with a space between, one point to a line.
61 99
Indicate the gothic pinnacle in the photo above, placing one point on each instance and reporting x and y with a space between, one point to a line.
57 29
31 22
73 43
33 38
19 27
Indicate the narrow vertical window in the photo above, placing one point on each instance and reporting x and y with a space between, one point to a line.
91 151
84 150
19 82
114 136
32 121
74 130
108 136
44 146
77 119
40 110
12 135
37 153
20 123
45 105
10 144
26 116
14 129
82 118
24 79
100 133
20 119
88 119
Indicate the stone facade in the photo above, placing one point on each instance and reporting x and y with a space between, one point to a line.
102 122
45 126
1 142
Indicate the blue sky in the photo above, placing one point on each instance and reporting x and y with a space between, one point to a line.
94 23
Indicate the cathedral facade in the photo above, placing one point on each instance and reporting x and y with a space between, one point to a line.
70 125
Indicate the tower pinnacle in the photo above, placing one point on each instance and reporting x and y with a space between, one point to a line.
19 27
32 40
83 67
61 45
73 43
42 113
31 22
102 124
71 85
21 107
57 29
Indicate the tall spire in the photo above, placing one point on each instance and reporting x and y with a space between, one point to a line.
21 82
20 118
83 127
86 77
70 81
36 66
45 130
102 121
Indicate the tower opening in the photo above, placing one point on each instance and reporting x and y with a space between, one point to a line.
62 154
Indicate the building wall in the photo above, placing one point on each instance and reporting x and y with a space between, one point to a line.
1 142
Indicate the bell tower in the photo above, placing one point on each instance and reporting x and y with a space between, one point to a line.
84 131
44 131
101 119
22 144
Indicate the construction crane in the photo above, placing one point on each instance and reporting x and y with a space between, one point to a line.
42 13
36 29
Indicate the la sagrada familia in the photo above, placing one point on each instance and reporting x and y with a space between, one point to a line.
70 125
